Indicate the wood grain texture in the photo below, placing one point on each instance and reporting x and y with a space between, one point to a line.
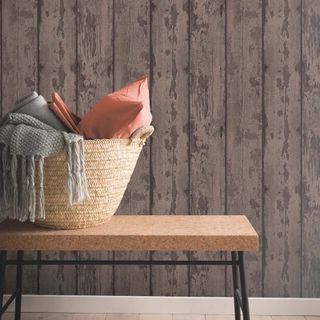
311 150
132 59
19 77
170 113
282 253
207 129
95 79
57 63
244 123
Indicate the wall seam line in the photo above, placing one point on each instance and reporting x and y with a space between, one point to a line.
189 133
150 143
38 89
225 129
301 148
113 89
263 140
77 12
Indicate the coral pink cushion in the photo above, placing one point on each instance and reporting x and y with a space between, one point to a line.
62 111
119 114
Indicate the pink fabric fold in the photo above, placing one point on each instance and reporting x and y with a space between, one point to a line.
120 113
64 113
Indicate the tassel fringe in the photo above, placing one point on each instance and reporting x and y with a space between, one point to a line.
76 178
18 199
41 189
31 189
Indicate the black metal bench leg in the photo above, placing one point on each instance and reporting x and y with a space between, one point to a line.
235 286
244 296
18 286
3 260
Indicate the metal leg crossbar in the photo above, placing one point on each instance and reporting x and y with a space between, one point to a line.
240 296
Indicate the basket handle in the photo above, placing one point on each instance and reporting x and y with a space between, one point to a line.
142 133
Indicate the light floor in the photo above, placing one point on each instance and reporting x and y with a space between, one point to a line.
74 316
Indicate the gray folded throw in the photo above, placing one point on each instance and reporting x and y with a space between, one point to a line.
36 106
24 143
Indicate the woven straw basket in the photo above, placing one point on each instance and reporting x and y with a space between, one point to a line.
109 164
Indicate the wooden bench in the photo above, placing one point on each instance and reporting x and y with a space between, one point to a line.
151 233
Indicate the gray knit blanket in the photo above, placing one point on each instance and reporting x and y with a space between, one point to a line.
24 144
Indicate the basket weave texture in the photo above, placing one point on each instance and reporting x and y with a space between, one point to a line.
109 164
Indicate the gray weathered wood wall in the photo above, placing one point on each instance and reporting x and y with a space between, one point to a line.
235 98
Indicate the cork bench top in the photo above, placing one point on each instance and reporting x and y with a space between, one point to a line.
138 232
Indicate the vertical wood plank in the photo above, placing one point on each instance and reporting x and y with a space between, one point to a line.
244 123
170 141
19 51
282 149
311 149
131 59
207 136
57 63
19 78
95 79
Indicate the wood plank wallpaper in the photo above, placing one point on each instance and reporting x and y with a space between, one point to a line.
235 99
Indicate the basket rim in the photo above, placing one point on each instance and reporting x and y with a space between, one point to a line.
145 132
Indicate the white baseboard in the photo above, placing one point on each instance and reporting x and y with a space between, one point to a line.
189 305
